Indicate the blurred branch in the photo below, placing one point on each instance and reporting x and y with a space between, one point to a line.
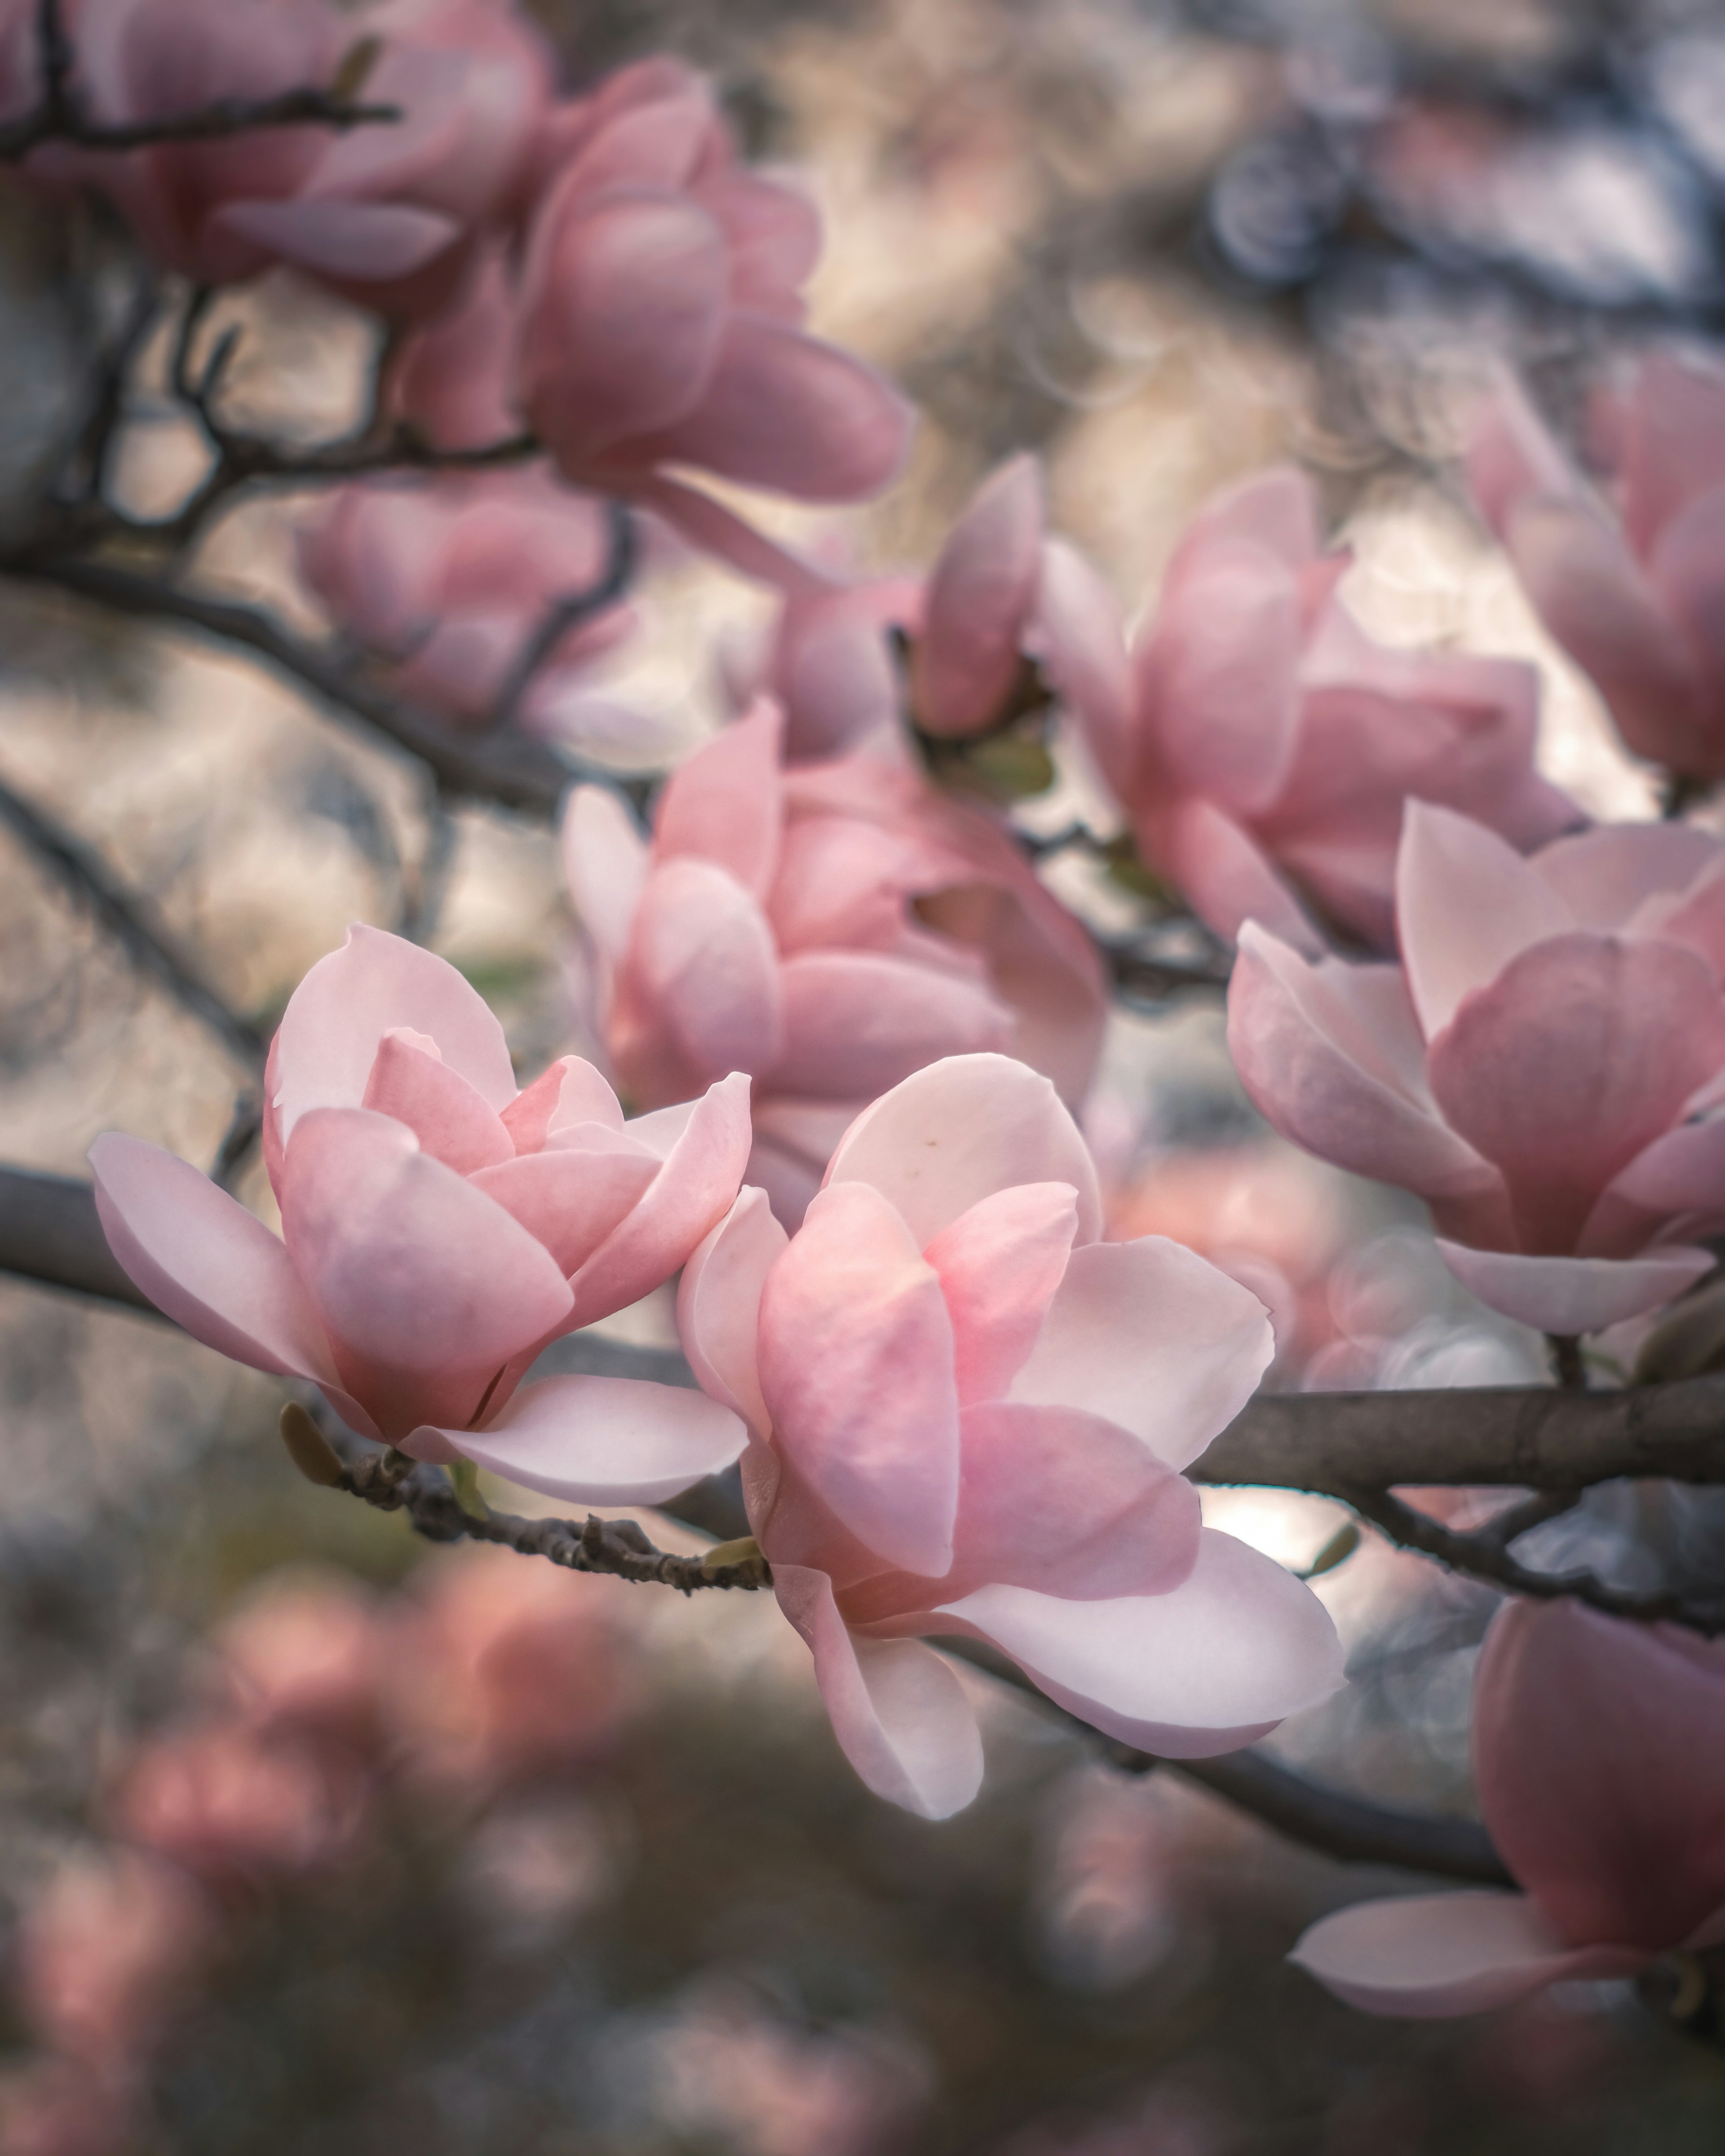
58 116
129 920
49 1233
1140 974
572 610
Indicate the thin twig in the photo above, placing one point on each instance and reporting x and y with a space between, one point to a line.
425 883
1140 975
130 920
568 612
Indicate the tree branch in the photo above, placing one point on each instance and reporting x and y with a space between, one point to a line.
570 611
132 922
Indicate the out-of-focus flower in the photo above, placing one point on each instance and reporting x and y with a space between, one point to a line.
1635 598
440 1228
968 1416
55 2108
304 1657
1600 1757
1539 1069
386 212
450 581
506 1669
232 1807
106 1953
829 929
655 320
1265 745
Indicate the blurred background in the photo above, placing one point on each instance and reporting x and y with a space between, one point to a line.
313 1839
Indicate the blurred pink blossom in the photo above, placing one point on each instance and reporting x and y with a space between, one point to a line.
829 929
387 212
1540 1068
505 1668
55 2108
1600 1757
968 1416
441 1228
450 581
107 1952
654 320
1635 590
1262 746
303 1656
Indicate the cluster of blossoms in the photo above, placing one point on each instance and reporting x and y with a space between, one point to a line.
857 1022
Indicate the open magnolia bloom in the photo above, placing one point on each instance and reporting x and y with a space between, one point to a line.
1542 1068
1264 744
968 1416
1636 600
1600 1757
829 929
439 1228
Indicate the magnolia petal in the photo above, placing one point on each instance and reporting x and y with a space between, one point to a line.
605 863
605 1441
705 965
1467 903
453 1122
1078 638
1227 878
856 1369
565 1095
205 1262
1000 1264
1153 1337
724 803
702 1172
1574 1295
1427 1955
335 1018
719 1305
958 1131
967 656
1208 1667
898 1710
857 1022
358 243
571 1198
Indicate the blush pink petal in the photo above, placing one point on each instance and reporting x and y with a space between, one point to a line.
205 1262
337 1016
980 595
1580 1053
1427 1955
705 1150
1208 1667
1605 878
455 378
1687 569
857 1022
1226 875
1154 1339
1078 638
870 1417
899 1711
1330 1069
1574 1295
605 1441
425 1286
631 322
452 1121
1000 1264
570 1199
566 1093
1065 1504
784 411
706 966
606 860
1680 1177
351 242
719 1305
1467 903
724 803
834 673
958 1131
1600 1757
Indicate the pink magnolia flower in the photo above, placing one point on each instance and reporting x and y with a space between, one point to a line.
440 1228
972 627
452 580
967 1415
1539 1068
829 929
1635 600
386 212
655 319
1600 1757
1264 746
303 1657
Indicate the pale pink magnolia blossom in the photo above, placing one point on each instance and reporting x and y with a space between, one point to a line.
451 580
1262 745
386 212
233 1808
1633 588
1599 1757
654 321
303 1657
829 929
441 1228
968 1416
1541 1068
